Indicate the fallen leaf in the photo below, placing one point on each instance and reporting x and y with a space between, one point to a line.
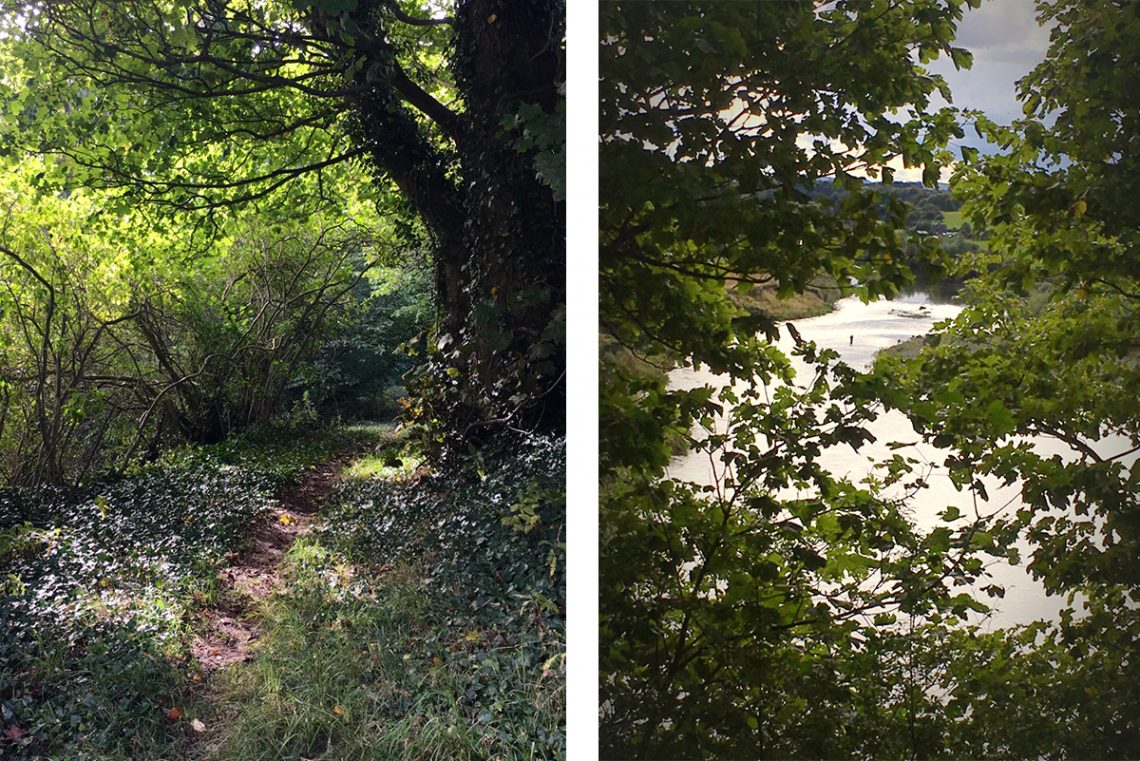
195 677
337 711
174 714
197 725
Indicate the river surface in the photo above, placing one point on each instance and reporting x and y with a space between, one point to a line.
857 331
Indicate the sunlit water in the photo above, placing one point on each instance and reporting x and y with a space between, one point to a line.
857 332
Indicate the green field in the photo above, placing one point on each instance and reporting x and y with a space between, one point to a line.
953 219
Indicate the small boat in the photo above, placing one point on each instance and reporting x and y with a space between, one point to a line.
914 314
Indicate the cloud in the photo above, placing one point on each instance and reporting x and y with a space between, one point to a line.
1003 25
1007 43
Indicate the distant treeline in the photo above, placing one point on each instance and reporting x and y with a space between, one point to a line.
927 206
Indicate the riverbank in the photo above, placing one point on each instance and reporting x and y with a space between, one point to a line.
819 299
906 349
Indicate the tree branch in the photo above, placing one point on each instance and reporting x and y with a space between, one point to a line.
414 21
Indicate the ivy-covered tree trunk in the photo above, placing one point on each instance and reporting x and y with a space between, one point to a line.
509 59
496 224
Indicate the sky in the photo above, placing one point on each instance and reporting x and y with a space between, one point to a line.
1007 44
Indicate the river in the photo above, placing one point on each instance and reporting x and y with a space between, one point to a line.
857 331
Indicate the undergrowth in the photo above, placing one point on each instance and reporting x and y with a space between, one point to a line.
423 619
96 582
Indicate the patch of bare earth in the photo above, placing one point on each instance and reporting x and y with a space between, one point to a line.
229 626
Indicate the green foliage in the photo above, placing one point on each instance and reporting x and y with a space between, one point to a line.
449 636
929 212
114 348
92 616
1035 383
211 212
543 135
736 621
211 106
688 200
456 517
98 581
359 370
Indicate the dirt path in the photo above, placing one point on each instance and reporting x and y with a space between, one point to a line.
230 625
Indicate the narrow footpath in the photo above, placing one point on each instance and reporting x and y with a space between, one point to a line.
230 624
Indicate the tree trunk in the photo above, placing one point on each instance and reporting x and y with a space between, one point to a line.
497 231
509 55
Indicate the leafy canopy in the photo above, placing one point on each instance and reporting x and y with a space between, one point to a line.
1036 382
737 621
